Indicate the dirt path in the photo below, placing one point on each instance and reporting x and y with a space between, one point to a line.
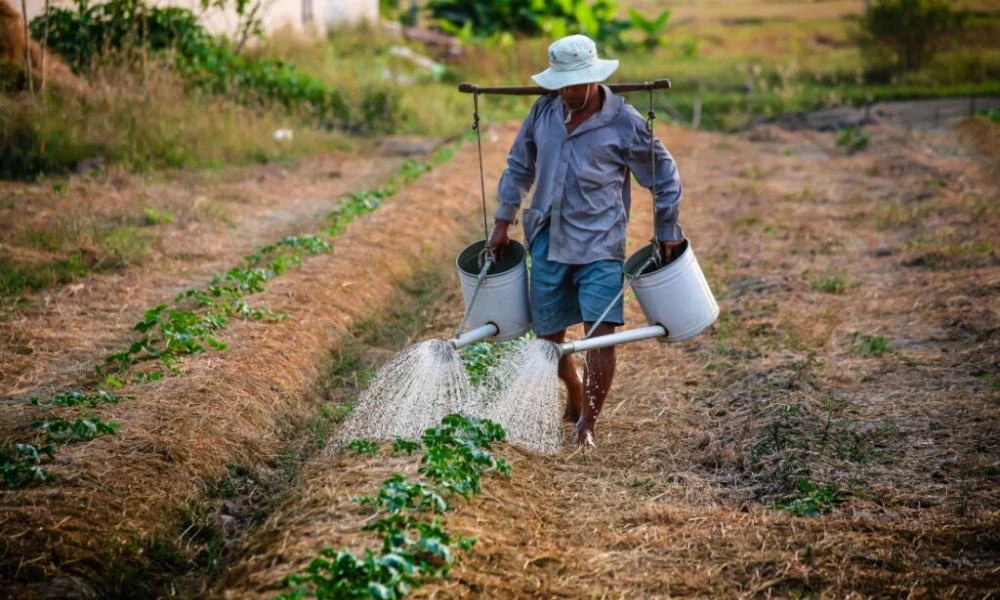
855 369
52 343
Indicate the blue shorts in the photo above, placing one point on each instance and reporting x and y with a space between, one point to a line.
563 295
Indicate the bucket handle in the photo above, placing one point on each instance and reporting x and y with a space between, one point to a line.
487 264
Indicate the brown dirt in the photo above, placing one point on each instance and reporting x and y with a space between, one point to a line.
810 250
119 499
858 347
218 218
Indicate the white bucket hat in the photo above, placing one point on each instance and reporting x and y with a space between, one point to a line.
573 60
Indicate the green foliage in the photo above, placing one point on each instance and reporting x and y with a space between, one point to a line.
830 284
355 205
69 399
21 464
15 277
59 431
479 357
411 170
911 29
364 447
400 446
868 345
813 501
652 29
991 113
189 328
415 544
555 18
152 216
87 34
853 139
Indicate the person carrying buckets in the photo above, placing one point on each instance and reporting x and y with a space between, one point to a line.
577 148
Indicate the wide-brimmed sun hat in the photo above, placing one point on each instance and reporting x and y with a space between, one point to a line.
573 60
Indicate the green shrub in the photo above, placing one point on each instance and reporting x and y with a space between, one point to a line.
912 30
555 18
89 34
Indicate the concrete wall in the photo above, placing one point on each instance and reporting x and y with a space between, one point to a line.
301 15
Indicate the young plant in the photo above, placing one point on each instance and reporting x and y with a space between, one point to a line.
868 345
364 447
21 464
70 399
414 548
60 431
814 501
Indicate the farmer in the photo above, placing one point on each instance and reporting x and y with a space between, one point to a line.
577 147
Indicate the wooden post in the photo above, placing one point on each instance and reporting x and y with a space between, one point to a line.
750 99
27 47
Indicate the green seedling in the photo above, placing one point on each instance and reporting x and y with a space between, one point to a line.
364 447
868 345
400 446
814 501
60 431
415 548
829 284
21 464
69 399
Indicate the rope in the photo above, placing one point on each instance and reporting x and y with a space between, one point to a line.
479 144
651 116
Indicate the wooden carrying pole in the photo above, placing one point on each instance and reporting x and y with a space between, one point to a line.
469 88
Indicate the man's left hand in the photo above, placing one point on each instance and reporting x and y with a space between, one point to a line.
669 250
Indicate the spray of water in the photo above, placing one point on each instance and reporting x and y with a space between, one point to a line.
426 382
413 392
521 393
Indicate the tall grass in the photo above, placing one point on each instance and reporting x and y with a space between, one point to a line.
143 119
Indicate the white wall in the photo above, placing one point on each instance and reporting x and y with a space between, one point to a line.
275 14
349 12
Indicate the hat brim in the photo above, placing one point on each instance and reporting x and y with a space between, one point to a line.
556 80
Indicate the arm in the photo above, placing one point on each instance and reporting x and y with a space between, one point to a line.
516 180
668 191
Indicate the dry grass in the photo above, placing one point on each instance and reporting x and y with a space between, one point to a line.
120 497
701 443
217 219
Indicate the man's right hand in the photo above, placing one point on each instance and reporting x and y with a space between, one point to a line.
498 237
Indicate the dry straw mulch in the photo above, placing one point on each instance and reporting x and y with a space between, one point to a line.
120 496
858 348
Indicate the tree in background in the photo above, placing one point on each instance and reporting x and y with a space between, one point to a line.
912 30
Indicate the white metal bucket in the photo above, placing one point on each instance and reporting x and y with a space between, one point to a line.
503 295
675 296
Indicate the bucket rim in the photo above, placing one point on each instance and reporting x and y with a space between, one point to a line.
642 254
467 261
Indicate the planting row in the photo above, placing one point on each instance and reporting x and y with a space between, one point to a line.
416 546
189 325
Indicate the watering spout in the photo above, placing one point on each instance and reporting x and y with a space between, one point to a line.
475 335
613 339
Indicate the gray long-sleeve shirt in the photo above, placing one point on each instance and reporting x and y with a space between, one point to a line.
581 180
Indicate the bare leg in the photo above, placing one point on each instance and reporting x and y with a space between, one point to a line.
567 372
597 378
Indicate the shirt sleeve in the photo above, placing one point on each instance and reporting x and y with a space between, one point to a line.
668 190
519 175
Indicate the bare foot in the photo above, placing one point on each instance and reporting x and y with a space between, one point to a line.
584 435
